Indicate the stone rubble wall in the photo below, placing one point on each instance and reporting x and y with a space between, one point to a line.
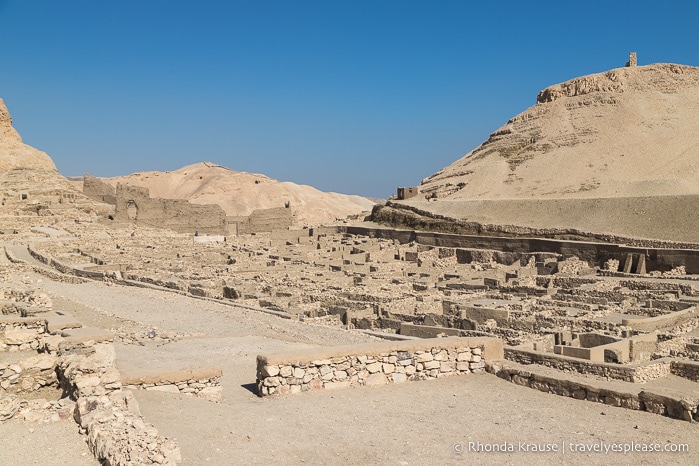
205 384
374 364
109 416
45 259
117 434
637 373
11 256
65 268
686 369
650 324
674 405
21 334
28 374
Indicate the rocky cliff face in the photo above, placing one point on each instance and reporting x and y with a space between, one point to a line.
13 152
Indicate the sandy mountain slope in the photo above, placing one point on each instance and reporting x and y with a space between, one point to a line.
239 193
610 153
626 132
13 152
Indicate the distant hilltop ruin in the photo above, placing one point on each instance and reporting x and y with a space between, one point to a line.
133 204
250 202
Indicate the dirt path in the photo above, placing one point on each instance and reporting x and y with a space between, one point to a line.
58 443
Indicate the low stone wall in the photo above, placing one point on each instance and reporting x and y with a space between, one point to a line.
107 415
11 256
674 405
374 364
630 373
118 435
65 268
202 383
650 324
688 370
28 374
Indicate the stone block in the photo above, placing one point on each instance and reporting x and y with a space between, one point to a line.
164 388
463 366
270 371
376 379
337 385
315 384
211 394
272 382
463 356
432 365
374 367
18 336
445 367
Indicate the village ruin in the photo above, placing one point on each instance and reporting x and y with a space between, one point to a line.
390 297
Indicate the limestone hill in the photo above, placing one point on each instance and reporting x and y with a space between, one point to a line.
240 193
615 153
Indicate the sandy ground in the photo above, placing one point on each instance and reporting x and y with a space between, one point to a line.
55 443
413 423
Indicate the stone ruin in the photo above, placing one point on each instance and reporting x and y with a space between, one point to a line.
553 311
133 204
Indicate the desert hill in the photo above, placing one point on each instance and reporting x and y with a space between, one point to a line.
615 152
240 193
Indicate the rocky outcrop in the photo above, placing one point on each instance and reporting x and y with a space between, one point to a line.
13 152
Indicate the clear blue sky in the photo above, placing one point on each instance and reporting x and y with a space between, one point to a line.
347 96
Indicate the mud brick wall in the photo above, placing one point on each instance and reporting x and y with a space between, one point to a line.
374 364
